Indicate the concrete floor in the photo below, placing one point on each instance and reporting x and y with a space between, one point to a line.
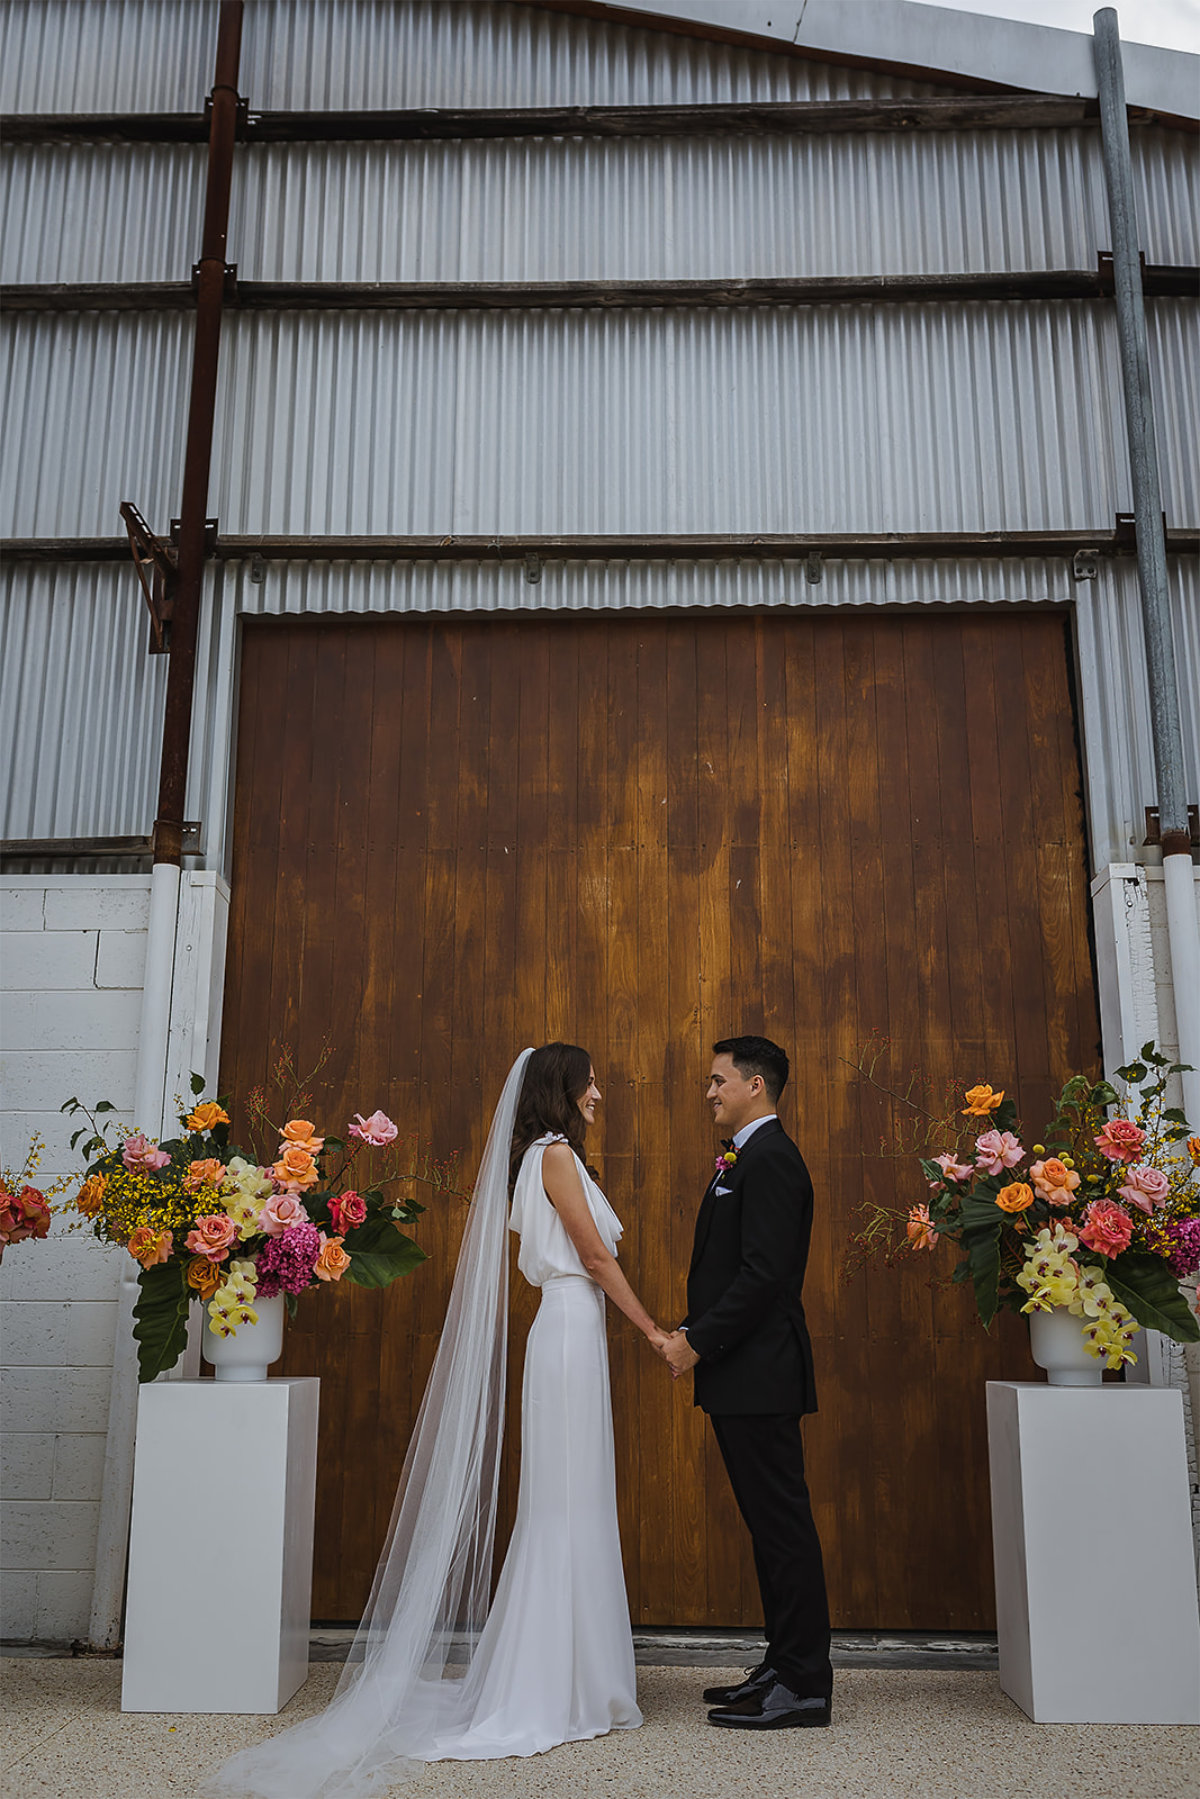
897 1734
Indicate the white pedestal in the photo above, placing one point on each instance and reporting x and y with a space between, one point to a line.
221 1546
1095 1569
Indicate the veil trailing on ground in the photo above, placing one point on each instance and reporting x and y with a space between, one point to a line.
408 1677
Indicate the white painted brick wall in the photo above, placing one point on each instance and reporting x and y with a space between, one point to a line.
72 955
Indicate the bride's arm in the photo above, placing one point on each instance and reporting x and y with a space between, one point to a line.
560 1178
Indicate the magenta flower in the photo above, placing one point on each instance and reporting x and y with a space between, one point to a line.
285 1263
1144 1186
998 1150
139 1152
378 1129
1184 1256
954 1170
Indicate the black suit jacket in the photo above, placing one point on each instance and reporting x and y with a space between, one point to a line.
745 1313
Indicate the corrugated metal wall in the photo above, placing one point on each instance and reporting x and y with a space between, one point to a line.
861 418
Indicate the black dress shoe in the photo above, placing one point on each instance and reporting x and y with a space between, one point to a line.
773 1707
756 1679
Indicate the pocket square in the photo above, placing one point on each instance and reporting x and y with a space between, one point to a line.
722 1192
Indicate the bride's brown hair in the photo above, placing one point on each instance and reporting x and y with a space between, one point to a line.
556 1079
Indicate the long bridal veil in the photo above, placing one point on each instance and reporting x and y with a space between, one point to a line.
408 1674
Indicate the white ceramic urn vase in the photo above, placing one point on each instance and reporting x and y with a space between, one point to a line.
249 1352
1056 1340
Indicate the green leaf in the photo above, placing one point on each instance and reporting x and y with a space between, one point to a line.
372 1269
197 1084
105 1105
69 1105
961 1273
291 1301
76 1135
1104 1095
1175 1115
983 1258
1133 1074
336 1143
1150 1054
1146 1287
160 1318
378 1233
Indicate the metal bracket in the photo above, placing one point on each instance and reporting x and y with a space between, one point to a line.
229 289
1085 565
243 113
533 569
1154 825
1107 272
156 565
211 527
814 570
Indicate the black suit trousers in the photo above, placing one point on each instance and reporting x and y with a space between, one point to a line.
764 1458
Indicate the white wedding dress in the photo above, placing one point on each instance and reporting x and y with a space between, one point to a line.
555 1660
440 1670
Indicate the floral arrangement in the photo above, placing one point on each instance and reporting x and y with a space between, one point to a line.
25 1210
1103 1218
210 1224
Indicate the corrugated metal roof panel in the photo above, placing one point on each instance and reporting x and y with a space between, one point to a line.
623 209
80 703
157 56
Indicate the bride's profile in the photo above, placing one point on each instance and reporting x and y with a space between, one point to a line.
439 1670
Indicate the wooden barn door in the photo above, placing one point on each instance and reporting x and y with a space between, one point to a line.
453 839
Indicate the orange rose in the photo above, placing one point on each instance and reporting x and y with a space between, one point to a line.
91 1195
1016 1197
298 1133
1193 1149
333 1261
295 1168
204 1276
150 1247
919 1229
209 1171
206 1115
981 1101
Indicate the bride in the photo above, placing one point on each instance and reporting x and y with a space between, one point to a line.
437 1673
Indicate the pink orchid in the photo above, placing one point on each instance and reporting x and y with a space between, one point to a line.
1107 1228
378 1129
954 1170
998 1150
280 1213
1120 1140
139 1152
1144 1186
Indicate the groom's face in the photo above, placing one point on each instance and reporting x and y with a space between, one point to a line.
732 1099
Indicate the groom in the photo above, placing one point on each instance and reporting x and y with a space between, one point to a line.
747 1341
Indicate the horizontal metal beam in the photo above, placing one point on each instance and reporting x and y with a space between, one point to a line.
1158 279
968 112
845 546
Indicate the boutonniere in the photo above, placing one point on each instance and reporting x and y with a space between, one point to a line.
726 1159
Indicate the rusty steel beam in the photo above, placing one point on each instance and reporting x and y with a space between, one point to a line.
210 276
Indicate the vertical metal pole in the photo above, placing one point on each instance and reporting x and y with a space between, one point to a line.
1182 928
112 1536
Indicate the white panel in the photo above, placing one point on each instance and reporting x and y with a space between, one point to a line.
157 56
1174 346
101 212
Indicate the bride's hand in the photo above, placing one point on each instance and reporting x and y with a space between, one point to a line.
658 1340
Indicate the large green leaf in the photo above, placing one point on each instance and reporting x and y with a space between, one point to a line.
378 1233
160 1318
983 1258
371 1268
1146 1287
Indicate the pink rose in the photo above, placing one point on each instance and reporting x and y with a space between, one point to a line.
1144 1186
346 1211
1107 1228
378 1129
1120 1140
998 1150
280 1213
212 1237
953 1170
138 1152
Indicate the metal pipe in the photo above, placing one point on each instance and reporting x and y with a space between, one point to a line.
193 511
1150 535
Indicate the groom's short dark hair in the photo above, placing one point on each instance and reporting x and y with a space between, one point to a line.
757 1055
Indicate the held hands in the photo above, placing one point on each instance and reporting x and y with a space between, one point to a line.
675 1351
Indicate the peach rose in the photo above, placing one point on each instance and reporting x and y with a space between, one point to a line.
295 1168
1016 1197
1107 1228
298 1133
91 1195
919 1228
208 1172
1120 1140
280 1213
204 1276
1054 1181
1144 1186
212 1237
332 1261
206 1115
981 1101
150 1247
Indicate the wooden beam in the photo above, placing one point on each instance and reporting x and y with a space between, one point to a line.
449 296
